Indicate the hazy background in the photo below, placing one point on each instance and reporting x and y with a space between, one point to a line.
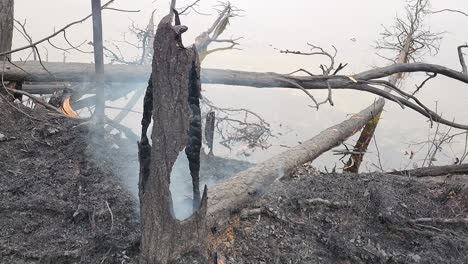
266 25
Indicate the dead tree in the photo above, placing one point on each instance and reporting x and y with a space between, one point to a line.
367 81
98 60
172 100
409 39
6 25
6 38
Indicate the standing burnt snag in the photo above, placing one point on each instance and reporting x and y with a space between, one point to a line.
209 130
172 100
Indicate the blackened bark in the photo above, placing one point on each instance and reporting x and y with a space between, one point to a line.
195 135
209 130
173 92
144 148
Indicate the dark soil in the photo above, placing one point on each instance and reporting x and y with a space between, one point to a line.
369 222
61 204
54 196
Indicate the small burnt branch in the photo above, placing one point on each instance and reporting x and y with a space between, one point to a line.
209 130
462 58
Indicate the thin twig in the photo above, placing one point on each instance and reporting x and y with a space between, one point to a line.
450 10
430 76
112 216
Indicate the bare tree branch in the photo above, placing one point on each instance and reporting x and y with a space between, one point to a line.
450 10
26 35
53 34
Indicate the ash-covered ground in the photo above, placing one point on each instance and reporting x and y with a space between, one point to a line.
62 203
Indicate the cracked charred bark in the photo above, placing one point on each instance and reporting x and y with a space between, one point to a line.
172 101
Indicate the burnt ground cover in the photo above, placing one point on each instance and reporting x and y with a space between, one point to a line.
350 218
62 203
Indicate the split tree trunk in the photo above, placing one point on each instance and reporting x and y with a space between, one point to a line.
171 100
6 25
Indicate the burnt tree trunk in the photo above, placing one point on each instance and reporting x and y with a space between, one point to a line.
98 60
6 25
172 101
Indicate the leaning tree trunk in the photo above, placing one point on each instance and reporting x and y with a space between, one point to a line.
172 101
368 132
6 25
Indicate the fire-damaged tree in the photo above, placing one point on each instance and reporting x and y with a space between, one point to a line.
172 101
6 25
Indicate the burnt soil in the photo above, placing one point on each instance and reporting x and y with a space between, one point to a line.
61 204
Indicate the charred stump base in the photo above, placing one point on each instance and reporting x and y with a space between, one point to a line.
172 101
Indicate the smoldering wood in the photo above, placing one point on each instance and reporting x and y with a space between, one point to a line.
231 194
434 171
171 101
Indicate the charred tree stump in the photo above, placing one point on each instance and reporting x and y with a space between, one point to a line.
172 102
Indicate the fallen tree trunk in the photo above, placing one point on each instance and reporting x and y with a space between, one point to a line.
359 82
434 171
84 72
229 195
